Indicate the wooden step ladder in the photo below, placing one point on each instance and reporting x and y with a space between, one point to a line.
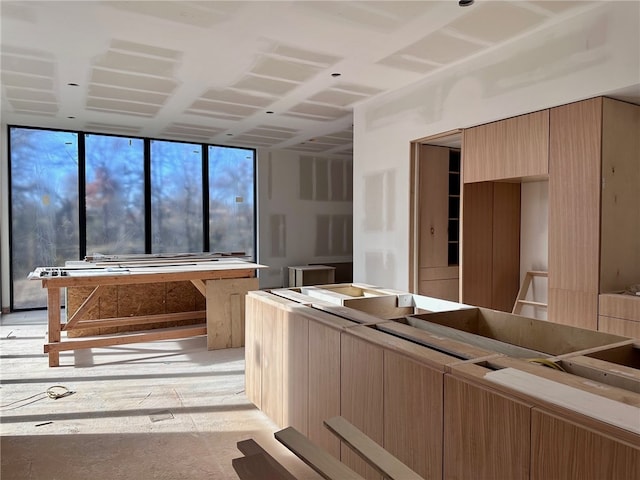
524 289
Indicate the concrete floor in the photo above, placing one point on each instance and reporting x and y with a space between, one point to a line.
162 410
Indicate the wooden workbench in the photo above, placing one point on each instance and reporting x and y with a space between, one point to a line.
222 281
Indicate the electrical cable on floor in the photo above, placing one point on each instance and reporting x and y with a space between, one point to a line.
54 392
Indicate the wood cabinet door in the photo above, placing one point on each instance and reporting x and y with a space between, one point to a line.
324 385
486 435
361 396
562 449
516 147
413 414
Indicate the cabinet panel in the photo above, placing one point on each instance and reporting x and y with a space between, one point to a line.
272 364
445 289
619 326
413 399
324 385
512 148
486 435
620 247
253 350
433 209
574 196
477 250
361 396
594 456
505 280
571 307
295 362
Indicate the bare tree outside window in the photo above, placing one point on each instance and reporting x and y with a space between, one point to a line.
44 204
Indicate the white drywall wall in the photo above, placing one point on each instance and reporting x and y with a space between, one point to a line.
595 53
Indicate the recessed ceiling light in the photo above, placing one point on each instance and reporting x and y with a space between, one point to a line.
229 134
71 117
73 84
336 74
269 112
465 3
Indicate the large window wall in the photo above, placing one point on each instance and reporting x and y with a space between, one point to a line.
76 193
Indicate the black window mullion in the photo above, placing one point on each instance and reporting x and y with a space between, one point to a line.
206 246
82 200
147 196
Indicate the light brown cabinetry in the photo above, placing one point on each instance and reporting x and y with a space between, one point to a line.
507 149
595 455
491 244
486 435
594 220
439 217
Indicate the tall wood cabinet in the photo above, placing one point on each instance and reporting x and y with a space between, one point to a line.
439 218
590 153
594 219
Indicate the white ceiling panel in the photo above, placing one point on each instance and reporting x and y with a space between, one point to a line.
261 73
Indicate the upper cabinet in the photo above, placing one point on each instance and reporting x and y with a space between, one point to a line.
508 149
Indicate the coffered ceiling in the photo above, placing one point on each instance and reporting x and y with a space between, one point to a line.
260 74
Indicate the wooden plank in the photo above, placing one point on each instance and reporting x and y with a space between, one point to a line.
259 467
626 417
620 376
271 467
413 400
384 307
563 449
620 218
486 435
220 318
107 341
322 462
88 303
236 310
361 395
53 315
480 341
440 345
141 320
200 286
516 147
371 452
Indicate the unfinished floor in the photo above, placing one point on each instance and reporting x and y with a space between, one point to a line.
161 410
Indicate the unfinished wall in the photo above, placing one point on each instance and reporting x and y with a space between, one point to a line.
595 53
305 206
534 242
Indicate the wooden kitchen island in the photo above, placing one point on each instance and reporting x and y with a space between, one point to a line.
222 281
